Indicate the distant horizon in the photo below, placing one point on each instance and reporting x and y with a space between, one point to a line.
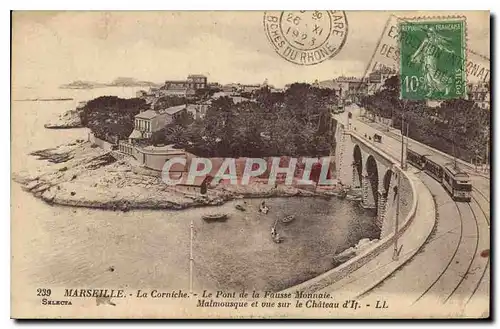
108 84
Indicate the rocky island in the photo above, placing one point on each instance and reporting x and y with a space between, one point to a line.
118 82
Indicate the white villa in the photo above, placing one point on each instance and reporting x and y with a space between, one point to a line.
150 121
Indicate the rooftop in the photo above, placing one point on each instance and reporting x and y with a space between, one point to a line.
349 79
175 109
236 99
221 94
175 81
149 114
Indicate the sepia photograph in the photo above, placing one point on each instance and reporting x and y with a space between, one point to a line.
320 164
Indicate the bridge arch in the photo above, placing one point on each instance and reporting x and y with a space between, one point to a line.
372 177
357 166
387 182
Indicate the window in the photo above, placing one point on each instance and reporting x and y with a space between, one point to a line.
463 187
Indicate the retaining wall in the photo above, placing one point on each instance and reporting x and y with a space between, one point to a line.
107 146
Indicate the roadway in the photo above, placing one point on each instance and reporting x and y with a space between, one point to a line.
449 271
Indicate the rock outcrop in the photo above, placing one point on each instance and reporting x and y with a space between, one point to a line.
78 174
67 120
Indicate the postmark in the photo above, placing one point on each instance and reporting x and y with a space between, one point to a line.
306 37
431 59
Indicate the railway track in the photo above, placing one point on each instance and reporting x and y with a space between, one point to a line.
474 254
463 216
486 217
484 197
451 258
481 193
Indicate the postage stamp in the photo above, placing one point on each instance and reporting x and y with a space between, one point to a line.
306 37
385 60
431 54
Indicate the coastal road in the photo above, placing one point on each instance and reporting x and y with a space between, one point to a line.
449 270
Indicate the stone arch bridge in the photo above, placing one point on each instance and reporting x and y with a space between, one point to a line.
361 165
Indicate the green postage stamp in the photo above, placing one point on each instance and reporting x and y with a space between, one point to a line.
432 59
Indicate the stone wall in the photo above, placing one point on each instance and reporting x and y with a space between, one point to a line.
107 146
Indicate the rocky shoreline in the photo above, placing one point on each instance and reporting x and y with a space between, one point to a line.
68 120
82 175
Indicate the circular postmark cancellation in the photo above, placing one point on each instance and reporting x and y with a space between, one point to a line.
306 37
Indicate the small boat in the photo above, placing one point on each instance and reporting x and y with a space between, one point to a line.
288 219
354 198
215 217
263 208
276 238
240 207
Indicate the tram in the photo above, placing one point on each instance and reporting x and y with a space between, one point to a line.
455 181
433 168
415 159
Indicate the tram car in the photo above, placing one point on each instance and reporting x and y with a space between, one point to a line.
433 168
415 159
457 183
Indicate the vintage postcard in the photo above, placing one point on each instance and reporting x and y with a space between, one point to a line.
261 164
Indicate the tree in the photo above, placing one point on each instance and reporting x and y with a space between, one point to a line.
293 123
165 102
111 118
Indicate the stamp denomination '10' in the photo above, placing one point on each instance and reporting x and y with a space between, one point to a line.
306 37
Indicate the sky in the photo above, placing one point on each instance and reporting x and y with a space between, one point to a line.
53 48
